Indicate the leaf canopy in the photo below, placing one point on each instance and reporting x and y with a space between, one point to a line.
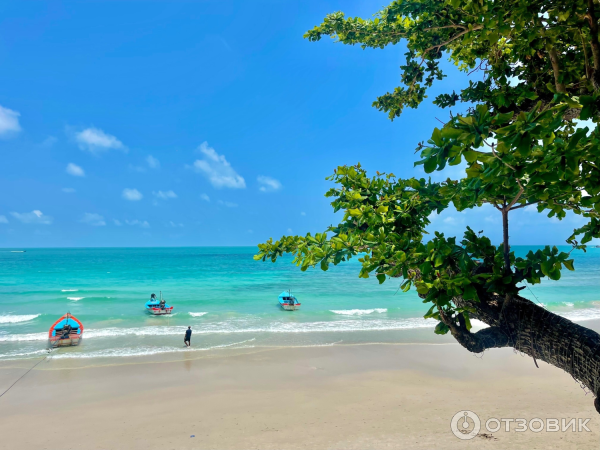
519 139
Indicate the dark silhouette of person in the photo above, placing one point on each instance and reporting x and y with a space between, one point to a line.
188 336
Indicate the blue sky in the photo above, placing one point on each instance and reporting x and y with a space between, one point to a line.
138 123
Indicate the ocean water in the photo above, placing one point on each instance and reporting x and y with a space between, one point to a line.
229 299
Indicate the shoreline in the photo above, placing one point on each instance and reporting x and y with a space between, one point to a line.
399 395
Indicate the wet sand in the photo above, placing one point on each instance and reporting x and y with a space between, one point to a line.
376 396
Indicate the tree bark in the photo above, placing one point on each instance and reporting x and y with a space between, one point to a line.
506 246
593 23
535 331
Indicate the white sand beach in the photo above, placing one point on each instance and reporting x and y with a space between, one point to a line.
379 396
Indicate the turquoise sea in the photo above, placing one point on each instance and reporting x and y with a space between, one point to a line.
229 299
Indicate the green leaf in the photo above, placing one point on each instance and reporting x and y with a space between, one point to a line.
441 328
467 321
381 277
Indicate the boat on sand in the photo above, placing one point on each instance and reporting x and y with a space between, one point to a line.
65 332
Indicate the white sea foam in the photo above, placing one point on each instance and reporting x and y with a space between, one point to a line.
144 351
580 315
75 299
251 325
197 314
16 319
24 337
358 312
244 326
69 290
568 304
19 355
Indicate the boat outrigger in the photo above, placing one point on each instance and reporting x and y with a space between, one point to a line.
158 307
288 301
65 332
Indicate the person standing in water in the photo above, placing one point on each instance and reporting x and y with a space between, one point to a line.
188 336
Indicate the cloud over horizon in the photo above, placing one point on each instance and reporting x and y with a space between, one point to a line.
268 184
217 169
152 162
35 217
9 121
75 170
132 194
141 223
95 141
165 195
93 219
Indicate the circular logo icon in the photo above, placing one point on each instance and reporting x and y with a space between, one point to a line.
465 424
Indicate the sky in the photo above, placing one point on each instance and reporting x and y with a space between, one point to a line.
200 123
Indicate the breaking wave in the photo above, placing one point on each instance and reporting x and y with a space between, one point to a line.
16 319
358 312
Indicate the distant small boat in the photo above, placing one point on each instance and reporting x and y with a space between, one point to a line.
288 301
65 332
158 307
18 251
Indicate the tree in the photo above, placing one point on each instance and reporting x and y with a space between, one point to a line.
540 67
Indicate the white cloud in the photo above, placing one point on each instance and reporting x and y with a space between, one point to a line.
217 169
268 184
3 219
68 190
289 230
143 224
165 195
228 204
117 222
132 194
176 225
152 162
93 219
450 220
205 197
49 141
9 121
35 216
302 213
95 140
75 170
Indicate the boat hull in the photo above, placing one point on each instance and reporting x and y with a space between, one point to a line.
71 341
159 311
288 307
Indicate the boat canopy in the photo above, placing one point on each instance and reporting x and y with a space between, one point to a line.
75 324
286 295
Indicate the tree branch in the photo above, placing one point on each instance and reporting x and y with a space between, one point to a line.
593 23
524 205
427 50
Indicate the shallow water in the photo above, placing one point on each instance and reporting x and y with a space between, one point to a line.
229 299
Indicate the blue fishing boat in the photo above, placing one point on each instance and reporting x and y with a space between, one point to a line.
158 307
65 332
288 301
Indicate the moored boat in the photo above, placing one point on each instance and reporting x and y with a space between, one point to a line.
158 307
288 301
65 332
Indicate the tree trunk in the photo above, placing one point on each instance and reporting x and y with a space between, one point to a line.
531 329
